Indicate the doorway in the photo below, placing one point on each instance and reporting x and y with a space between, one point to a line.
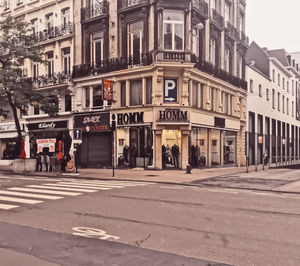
171 149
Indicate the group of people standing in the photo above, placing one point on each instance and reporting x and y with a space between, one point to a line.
170 156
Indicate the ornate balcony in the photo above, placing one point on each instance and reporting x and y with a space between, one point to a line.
93 11
244 39
130 3
57 31
209 68
114 64
231 31
59 78
201 6
217 19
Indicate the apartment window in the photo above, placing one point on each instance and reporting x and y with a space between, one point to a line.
259 90
36 108
251 85
241 24
201 96
123 94
65 16
267 94
227 60
212 99
195 94
196 41
283 83
136 92
226 103
149 91
49 22
288 86
97 97
135 41
97 44
227 13
34 26
66 60
173 30
50 64
283 104
68 103
212 51
293 90
278 79
293 107
6 4
287 106
278 101
273 98
273 75
240 58
35 70
87 97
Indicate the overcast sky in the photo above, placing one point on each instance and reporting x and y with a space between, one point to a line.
274 24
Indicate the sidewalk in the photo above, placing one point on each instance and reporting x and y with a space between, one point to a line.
140 174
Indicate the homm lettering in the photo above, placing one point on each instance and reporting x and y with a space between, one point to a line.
130 118
173 115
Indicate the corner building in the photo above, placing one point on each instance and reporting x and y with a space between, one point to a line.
178 73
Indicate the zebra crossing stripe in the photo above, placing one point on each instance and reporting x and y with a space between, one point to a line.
7 206
78 186
112 183
19 200
121 183
84 184
44 191
53 186
29 195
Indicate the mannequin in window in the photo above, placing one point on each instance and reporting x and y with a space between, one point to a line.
175 153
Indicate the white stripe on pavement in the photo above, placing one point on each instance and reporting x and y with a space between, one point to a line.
44 191
122 183
78 186
83 184
53 186
19 200
112 184
29 195
8 206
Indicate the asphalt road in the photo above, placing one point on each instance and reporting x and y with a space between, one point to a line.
131 223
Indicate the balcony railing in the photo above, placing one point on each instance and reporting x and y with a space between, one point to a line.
114 64
59 78
129 3
54 32
219 73
201 6
96 10
217 19
243 38
231 30
174 56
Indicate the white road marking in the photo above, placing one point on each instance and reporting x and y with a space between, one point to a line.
78 186
20 200
53 186
113 184
83 184
93 233
8 206
29 195
45 191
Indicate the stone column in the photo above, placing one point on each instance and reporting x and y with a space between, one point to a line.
91 97
160 33
185 148
207 35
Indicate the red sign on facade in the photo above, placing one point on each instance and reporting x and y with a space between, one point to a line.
108 90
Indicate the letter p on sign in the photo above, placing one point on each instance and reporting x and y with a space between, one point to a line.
170 90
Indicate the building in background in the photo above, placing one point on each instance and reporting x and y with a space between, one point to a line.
178 73
272 124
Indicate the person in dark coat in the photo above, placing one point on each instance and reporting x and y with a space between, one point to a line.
77 157
164 156
175 153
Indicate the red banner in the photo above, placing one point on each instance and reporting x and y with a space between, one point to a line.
108 90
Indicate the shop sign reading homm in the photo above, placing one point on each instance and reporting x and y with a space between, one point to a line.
173 115
130 118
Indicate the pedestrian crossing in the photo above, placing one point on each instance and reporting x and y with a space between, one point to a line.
15 197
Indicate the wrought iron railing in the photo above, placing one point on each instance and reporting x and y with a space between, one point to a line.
174 56
231 30
54 32
209 68
96 10
130 3
217 18
55 79
114 64
201 6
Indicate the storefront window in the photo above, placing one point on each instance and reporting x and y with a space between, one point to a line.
173 30
199 147
215 147
171 149
136 92
229 147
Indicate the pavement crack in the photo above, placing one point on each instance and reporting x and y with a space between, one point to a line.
139 243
